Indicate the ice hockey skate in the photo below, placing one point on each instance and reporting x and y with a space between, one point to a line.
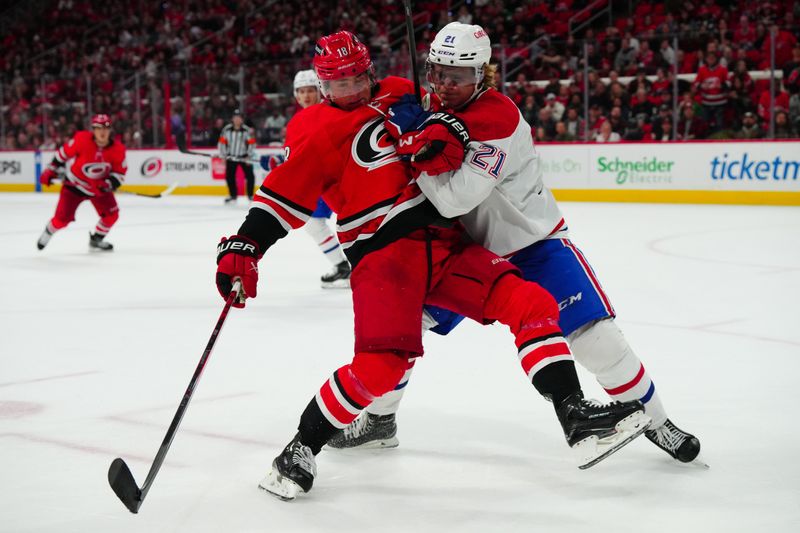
368 431
96 242
680 445
44 238
594 430
293 471
338 278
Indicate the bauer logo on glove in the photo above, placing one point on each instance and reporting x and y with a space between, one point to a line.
439 147
237 258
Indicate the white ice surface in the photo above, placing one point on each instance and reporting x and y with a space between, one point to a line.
96 351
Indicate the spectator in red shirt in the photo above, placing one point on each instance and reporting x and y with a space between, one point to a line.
646 56
745 34
712 85
765 103
784 42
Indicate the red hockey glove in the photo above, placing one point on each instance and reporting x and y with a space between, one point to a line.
440 147
47 176
237 257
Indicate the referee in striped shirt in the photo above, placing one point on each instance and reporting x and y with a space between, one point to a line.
237 140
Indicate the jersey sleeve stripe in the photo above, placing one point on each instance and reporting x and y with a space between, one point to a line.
354 218
281 215
267 192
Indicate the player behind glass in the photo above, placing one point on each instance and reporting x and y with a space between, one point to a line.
306 92
505 206
97 170
403 254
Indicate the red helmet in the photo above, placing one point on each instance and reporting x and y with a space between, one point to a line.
101 120
340 55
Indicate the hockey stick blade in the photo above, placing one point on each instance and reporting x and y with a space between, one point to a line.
119 475
165 192
124 486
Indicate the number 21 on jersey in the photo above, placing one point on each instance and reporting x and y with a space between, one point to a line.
489 158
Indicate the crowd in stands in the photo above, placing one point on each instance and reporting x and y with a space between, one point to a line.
212 56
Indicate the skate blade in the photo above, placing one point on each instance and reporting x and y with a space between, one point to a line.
592 450
338 284
279 486
380 444
696 463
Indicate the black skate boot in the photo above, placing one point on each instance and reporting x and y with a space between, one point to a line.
292 471
677 443
96 242
44 238
367 431
338 278
594 430
229 200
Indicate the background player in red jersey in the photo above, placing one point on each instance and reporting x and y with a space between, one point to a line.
403 254
97 170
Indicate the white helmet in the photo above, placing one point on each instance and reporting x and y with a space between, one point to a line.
305 78
461 45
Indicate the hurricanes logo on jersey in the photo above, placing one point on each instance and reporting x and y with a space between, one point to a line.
372 148
96 171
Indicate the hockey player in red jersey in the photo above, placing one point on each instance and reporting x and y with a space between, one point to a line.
498 191
404 253
97 170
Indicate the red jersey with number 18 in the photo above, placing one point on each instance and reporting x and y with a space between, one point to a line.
348 158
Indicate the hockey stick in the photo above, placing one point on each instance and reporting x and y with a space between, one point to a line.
180 142
119 475
412 49
165 192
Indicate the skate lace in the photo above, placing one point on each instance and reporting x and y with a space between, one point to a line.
302 457
669 436
357 428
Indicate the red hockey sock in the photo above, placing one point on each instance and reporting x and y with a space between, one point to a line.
532 314
348 391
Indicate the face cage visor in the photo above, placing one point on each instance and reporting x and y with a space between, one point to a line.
347 87
452 76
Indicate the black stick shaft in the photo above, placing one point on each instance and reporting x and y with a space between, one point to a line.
412 49
187 396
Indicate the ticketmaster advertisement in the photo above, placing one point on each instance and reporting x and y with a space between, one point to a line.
702 166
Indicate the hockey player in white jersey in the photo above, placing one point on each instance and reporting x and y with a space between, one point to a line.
499 194
306 93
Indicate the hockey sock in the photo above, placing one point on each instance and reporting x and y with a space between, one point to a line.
603 350
326 240
55 224
532 314
389 403
348 391
104 224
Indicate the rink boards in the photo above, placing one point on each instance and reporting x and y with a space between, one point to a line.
729 172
